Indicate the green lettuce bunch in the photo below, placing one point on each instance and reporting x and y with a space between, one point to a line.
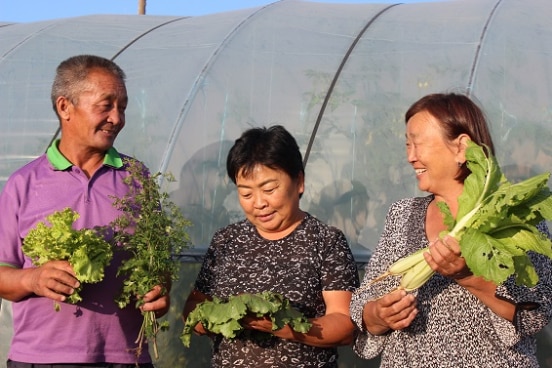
56 240
224 316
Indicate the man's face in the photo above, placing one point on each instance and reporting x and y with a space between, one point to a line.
98 116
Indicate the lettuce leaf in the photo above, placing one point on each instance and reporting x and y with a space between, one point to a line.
223 317
56 239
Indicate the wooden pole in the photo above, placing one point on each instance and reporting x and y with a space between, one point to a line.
141 7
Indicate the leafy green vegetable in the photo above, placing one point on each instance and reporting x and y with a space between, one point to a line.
496 220
152 230
223 317
85 249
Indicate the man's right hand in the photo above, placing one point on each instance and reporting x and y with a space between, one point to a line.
54 280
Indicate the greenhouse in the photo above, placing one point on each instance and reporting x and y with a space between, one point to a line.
339 77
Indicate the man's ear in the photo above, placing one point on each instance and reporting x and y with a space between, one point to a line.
63 107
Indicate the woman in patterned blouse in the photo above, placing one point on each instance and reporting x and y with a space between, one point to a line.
279 248
455 319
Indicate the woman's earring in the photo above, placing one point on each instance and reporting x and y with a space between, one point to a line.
459 164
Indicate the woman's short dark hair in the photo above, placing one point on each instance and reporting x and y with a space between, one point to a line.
457 114
273 147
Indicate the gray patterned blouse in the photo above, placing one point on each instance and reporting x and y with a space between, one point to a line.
453 328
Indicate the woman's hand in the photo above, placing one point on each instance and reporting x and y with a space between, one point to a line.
334 328
393 311
445 258
193 300
251 322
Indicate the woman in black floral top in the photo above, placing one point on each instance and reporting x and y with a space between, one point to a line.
282 249
455 319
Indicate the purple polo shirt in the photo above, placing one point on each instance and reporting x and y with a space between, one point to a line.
94 330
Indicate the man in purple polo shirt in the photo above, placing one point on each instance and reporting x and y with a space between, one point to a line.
82 171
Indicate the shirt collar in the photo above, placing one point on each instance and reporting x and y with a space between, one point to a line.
59 162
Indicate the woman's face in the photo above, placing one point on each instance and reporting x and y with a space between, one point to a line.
434 158
270 200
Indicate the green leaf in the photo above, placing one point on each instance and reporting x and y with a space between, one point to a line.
489 259
228 329
448 219
152 232
261 304
496 220
85 249
219 314
535 209
525 271
484 178
89 265
224 317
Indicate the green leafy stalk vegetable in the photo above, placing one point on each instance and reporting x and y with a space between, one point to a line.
85 249
152 230
223 317
496 220
496 225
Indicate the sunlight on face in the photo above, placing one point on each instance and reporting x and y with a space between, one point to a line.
270 200
99 115
433 157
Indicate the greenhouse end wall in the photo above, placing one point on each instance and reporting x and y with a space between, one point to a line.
338 76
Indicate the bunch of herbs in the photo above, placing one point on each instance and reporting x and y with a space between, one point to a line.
153 231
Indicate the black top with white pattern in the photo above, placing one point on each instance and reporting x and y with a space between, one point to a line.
315 257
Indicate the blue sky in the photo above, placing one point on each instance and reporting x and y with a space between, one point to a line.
37 10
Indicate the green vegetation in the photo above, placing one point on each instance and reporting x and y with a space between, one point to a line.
224 317
152 230
496 226
85 249
496 220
